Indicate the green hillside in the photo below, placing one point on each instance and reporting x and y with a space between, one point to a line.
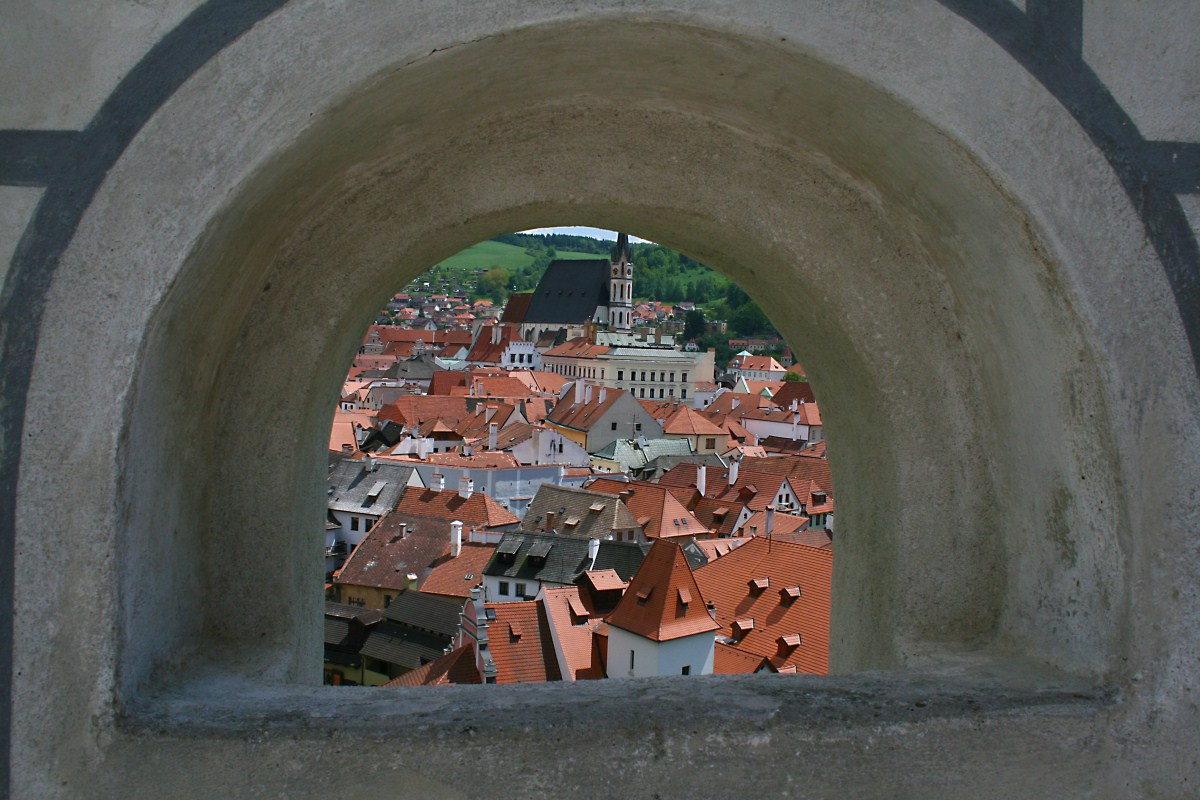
490 254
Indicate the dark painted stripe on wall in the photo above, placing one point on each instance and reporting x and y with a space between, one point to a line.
72 174
34 158
1149 179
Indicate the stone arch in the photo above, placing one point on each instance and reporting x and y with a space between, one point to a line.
949 300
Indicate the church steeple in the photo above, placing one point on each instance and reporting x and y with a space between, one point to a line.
620 286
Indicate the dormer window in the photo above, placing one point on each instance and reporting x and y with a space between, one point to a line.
789 594
685 597
741 627
789 642
758 585
643 595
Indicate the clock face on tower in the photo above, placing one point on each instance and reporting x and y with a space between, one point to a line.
628 272
616 272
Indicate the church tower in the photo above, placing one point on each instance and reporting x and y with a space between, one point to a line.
620 287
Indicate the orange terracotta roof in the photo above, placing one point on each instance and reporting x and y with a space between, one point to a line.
583 416
520 643
604 580
654 606
729 660
756 363
457 576
579 347
455 667
800 391
685 421
727 582
479 510
572 619
659 512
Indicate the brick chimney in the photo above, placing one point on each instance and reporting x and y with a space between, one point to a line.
551 518
455 538
593 551
439 482
493 430
587 394
466 487
733 470
603 393
701 479
770 525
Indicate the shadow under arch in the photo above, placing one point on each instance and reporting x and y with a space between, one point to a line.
932 312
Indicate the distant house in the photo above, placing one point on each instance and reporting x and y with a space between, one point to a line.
346 630
360 492
662 625
511 642
581 514
525 562
415 630
752 367
594 416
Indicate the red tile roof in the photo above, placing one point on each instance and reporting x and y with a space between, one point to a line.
479 510
455 667
579 347
520 643
800 391
756 363
685 421
455 577
656 509
653 606
729 660
727 583
573 619
583 416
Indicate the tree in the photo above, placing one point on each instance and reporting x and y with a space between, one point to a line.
494 284
792 375
693 324
749 320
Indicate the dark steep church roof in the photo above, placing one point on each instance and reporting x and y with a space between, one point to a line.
569 292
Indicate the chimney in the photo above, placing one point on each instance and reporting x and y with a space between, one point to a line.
587 394
603 392
411 581
439 482
402 529
733 470
495 334
701 479
770 526
371 464
734 404
795 405
537 445
795 424
493 429
578 391
455 538
593 551
466 487
551 517
489 411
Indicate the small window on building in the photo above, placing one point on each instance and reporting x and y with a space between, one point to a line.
672 377
354 523
520 590
387 600
631 659
710 443
683 394
503 588
614 426
687 670
684 378
637 426
620 374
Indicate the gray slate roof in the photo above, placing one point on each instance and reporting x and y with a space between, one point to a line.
367 486
569 292
653 469
426 612
566 559
403 646
575 505
631 455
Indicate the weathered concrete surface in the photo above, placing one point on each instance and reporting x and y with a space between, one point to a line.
1004 365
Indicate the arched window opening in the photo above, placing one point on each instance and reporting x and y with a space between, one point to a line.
526 511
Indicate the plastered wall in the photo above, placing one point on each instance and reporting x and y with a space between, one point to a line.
997 292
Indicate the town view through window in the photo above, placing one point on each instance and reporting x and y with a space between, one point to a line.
571 454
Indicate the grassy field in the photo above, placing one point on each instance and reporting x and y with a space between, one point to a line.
486 255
